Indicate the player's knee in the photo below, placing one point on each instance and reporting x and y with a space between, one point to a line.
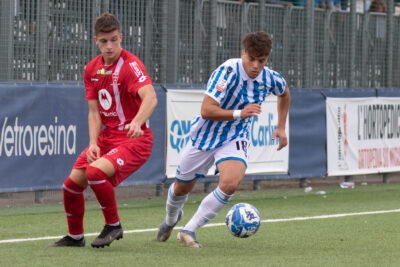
181 189
95 174
78 176
73 186
229 187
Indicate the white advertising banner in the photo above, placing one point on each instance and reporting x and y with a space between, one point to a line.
363 135
184 105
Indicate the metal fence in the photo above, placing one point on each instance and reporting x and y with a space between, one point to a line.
182 41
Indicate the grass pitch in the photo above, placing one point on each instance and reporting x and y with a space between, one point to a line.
350 240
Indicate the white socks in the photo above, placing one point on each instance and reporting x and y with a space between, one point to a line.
211 205
174 205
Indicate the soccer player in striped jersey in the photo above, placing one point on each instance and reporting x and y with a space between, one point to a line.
220 134
121 98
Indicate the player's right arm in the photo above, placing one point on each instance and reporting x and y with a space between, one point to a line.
219 83
210 110
94 121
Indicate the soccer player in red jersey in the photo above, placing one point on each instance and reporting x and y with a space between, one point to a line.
121 98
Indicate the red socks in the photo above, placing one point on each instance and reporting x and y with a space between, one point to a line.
104 192
74 205
74 201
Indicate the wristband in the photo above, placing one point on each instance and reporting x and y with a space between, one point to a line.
237 113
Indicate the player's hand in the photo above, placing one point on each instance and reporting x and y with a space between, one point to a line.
134 130
281 134
93 153
251 110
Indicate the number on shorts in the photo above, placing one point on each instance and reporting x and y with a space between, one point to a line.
242 145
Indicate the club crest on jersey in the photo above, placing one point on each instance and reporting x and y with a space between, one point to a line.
229 70
104 72
115 77
105 99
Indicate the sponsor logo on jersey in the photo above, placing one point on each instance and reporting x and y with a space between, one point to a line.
261 87
95 80
120 162
104 72
109 114
105 99
138 72
136 69
221 85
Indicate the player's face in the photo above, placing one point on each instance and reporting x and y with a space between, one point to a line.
109 45
253 65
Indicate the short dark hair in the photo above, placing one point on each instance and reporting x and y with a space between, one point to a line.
257 44
106 23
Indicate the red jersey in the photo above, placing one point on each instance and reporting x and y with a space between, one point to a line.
115 88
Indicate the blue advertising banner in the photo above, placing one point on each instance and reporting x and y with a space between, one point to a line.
43 129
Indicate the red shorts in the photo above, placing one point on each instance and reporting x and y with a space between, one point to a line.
126 154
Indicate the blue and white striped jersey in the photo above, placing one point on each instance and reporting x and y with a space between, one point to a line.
230 86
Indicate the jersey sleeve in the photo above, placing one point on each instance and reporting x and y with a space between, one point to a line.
278 83
89 88
220 81
136 76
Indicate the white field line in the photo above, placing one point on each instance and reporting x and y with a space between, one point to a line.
218 224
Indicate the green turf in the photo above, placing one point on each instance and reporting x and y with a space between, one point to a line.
366 240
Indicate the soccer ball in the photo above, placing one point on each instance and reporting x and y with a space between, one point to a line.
243 220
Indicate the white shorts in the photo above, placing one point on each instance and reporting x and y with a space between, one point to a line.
195 163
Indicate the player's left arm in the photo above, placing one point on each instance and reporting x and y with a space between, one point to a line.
149 102
283 109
